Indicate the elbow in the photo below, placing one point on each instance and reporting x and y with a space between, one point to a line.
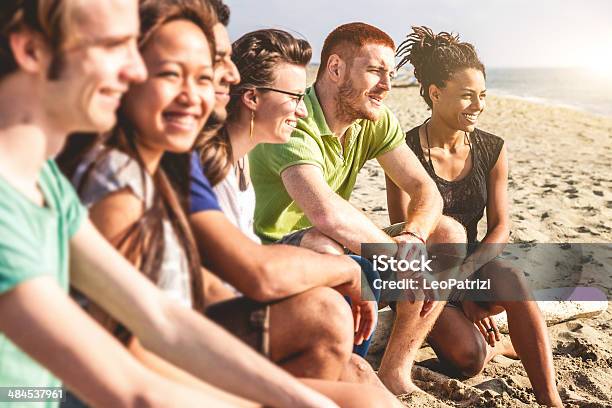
264 287
438 202
327 222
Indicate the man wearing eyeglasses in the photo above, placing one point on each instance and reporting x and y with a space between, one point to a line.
302 187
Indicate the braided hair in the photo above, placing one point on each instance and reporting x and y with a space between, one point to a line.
436 57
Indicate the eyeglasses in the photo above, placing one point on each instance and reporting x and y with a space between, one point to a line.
298 97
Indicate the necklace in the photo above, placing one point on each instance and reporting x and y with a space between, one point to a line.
243 183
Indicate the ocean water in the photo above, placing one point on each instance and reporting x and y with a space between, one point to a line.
573 87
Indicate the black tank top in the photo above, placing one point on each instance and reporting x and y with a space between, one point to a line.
465 199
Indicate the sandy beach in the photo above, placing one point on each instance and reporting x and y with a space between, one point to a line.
560 191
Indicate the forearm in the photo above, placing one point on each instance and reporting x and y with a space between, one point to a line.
203 349
214 289
177 375
286 270
491 246
424 209
339 220
109 376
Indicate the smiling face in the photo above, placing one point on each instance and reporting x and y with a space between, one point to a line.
366 83
170 108
226 73
462 100
97 67
277 113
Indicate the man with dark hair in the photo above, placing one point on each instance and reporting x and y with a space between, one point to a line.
222 10
303 187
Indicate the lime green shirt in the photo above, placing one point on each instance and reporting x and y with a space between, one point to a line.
276 214
34 243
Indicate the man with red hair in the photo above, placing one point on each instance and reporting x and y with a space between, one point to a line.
303 187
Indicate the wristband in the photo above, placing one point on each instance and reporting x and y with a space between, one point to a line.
414 234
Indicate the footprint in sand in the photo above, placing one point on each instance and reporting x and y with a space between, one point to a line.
604 227
598 193
585 230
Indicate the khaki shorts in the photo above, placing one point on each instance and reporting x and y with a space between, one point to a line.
246 319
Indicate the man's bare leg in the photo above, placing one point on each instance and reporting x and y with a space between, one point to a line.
359 371
408 333
411 325
311 334
349 395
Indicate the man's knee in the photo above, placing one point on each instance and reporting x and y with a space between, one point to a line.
334 320
318 242
449 231
448 238
418 309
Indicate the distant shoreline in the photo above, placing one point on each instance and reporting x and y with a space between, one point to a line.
553 87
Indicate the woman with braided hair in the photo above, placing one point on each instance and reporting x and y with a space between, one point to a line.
470 168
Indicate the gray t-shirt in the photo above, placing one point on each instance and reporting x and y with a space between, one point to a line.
116 171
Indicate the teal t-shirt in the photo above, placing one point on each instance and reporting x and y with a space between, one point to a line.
276 214
34 242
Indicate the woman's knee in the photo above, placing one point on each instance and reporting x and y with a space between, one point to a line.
508 282
470 359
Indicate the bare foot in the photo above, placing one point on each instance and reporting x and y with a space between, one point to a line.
399 383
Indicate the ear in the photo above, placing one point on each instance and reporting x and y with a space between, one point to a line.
29 50
250 99
335 68
434 93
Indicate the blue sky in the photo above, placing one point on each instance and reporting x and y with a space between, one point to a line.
507 33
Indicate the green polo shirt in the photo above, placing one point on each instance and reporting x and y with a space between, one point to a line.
276 214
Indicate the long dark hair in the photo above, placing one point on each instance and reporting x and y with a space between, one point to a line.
143 242
256 55
436 57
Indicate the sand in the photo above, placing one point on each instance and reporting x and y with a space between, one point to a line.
560 191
